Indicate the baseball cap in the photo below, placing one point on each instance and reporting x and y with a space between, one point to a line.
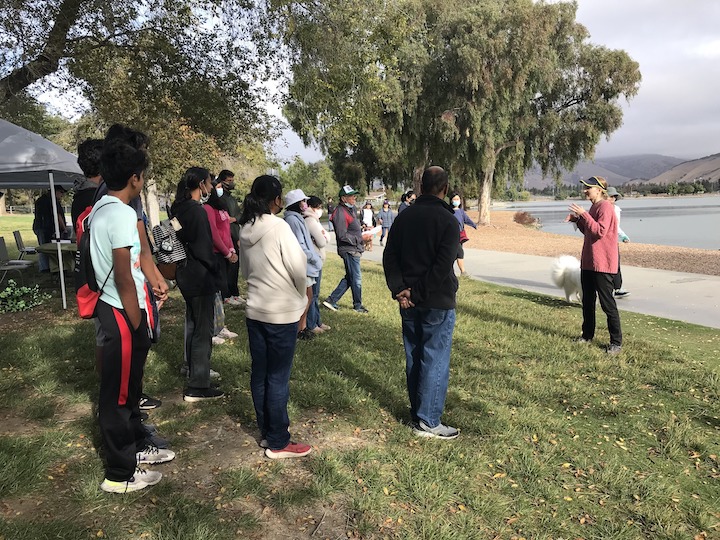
347 190
612 192
295 195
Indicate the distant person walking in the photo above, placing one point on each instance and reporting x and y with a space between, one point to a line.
619 292
463 219
386 217
599 260
418 262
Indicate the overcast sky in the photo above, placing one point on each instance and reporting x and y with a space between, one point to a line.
677 43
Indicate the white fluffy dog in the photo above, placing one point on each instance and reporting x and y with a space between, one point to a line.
566 275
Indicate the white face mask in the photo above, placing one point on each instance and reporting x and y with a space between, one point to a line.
220 191
319 213
204 197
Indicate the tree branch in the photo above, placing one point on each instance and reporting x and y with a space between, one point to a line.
48 60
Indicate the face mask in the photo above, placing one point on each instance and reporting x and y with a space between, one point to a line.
456 204
204 197
220 191
319 213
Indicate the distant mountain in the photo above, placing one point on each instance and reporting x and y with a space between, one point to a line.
707 168
617 170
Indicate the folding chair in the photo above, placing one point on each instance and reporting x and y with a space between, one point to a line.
7 264
22 248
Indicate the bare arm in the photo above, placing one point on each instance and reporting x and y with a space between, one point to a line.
126 285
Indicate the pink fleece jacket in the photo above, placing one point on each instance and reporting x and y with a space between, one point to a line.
220 228
600 249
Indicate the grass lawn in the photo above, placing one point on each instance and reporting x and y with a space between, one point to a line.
558 440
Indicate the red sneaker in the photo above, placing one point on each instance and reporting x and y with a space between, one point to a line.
292 450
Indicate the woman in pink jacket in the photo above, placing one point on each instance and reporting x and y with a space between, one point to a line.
599 261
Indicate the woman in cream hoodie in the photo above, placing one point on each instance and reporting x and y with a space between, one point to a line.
274 266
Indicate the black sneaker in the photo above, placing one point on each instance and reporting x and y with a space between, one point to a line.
361 309
306 335
201 394
148 403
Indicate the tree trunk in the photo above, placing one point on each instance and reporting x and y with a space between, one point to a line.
486 183
417 179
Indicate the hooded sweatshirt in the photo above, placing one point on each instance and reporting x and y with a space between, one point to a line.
300 230
274 266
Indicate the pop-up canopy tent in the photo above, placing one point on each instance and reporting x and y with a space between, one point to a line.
28 161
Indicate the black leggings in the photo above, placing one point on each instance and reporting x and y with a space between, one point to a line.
594 285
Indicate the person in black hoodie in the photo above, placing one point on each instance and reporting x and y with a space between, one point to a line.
418 262
197 280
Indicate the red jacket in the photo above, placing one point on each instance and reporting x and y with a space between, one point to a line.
600 249
220 228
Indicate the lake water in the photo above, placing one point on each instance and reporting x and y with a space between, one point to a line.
671 221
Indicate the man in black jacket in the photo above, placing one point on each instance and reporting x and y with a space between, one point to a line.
348 236
418 262
226 181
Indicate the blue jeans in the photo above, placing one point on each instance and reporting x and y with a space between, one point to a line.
313 316
272 347
427 336
352 281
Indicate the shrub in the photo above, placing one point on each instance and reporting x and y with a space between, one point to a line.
14 298
526 218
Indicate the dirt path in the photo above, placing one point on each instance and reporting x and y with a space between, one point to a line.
503 234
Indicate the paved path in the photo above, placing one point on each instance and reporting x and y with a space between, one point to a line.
693 298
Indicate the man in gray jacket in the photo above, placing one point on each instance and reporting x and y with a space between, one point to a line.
348 236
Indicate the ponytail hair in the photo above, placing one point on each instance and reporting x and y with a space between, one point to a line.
189 182
264 190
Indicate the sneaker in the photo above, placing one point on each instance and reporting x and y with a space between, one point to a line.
619 293
152 455
153 439
325 327
305 335
292 450
193 395
140 480
263 443
148 403
330 305
613 349
441 431
230 301
217 340
583 340
361 309
227 334
317 330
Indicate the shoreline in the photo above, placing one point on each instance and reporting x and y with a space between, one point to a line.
503 234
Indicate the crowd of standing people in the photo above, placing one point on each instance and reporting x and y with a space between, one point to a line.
281 261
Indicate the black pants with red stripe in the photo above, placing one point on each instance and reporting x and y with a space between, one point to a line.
124 353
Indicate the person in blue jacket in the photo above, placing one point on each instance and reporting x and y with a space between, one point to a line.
295 206
386 218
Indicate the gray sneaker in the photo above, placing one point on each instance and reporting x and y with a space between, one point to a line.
613 349
441 431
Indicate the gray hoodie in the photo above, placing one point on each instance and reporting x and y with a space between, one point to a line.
274 266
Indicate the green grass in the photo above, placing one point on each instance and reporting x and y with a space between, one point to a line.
558 440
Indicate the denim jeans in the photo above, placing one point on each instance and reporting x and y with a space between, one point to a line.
313 316
427 336
352 281
272 347
599 285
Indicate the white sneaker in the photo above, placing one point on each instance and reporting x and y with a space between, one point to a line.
140 480
227 334
152 455
217 340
